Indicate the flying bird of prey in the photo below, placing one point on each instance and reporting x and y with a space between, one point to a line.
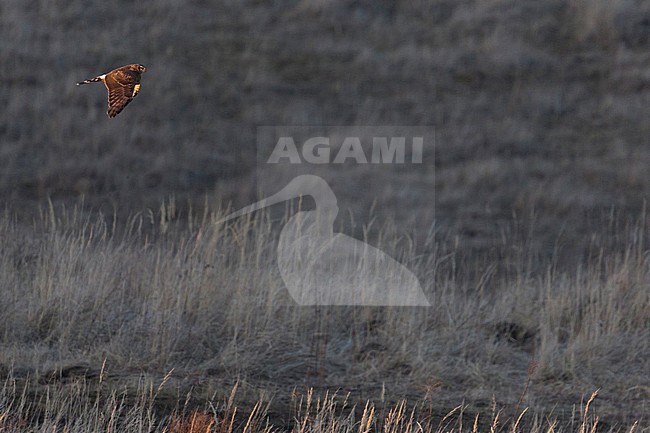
123 85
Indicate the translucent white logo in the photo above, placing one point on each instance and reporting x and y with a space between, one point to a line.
320 267
318 150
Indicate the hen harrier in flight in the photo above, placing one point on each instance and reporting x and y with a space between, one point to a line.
123 85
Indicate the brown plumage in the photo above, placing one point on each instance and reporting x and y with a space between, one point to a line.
123 85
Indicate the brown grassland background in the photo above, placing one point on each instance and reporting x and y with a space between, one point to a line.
125 303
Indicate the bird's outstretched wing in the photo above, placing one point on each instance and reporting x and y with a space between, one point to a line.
123 85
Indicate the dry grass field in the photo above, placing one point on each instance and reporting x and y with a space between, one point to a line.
127 305
204 301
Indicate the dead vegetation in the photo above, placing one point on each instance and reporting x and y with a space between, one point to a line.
314 413
540 109
534 251
206 300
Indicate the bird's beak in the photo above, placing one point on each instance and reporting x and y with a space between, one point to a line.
269 201
300 186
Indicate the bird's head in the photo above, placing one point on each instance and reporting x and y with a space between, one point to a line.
299 186
140 68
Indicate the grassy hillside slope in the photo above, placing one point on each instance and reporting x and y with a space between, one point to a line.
527 225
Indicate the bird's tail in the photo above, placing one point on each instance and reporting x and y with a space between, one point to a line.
92 80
